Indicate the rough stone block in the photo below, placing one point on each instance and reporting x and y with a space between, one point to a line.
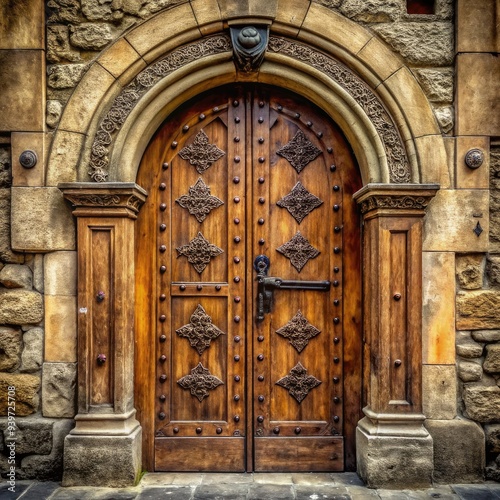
90 36
20 307
478 113
32 355
478 310
470 271
111 461
451 219
493 270
393 461
21 106
58 389
492 361
37 266
65 76
439 391
437 83
372 11
482 404
469 371
48 467
58 47
438 322
60 328
33 435
26 393
459 455
428 44
486 335
96 10
492 434
53 113
41 220
60 269
11 345
468 348
16 276
445 116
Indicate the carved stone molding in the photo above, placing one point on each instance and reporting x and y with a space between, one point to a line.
124 103
106 198
409 197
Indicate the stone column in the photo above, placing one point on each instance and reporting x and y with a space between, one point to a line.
104 448
393 447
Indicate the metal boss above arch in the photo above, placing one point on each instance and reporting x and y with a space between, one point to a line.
125 102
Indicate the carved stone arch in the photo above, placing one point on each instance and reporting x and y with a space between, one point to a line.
361 84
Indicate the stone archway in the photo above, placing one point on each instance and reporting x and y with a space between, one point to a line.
394 169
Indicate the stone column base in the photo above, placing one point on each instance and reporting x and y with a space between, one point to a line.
394 456
99 460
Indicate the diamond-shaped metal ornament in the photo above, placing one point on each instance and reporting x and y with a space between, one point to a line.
200 331
199 251
298 382
299 251
199 202
200 382
298 331
200 153
300 151
299 202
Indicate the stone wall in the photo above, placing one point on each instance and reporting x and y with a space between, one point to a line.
38 439
77 31
478 335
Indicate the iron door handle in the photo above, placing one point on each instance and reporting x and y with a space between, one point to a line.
267 285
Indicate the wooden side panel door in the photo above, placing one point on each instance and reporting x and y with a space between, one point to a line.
200 377
299 224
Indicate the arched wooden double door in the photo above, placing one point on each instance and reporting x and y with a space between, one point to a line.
248 314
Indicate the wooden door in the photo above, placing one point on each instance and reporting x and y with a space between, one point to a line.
237 370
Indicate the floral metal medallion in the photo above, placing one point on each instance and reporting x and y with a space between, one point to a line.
200 382
200 153
299 251
299 202
299 331
298 382
199 251
199 202
300 151
200 331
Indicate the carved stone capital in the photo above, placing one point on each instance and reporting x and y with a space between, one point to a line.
111 199
402 199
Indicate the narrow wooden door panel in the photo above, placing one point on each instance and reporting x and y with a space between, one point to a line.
239 173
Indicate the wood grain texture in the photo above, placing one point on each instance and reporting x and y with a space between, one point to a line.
250 124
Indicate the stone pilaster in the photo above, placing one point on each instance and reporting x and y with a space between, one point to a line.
393 447
104 448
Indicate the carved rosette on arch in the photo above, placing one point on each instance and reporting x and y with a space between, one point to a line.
249 46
